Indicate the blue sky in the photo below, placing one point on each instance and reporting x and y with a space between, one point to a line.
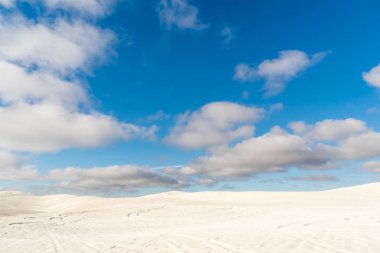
134 97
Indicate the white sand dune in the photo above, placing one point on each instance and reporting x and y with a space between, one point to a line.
342 220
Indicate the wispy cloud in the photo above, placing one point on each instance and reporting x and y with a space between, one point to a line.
276 107
88 7
372 166
158 116
277 72
315 178
179 14
227 35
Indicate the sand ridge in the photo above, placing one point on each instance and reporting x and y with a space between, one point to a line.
342 220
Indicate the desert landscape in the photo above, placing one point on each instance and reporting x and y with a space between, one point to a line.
169 126
340 220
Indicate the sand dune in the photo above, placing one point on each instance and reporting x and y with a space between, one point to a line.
342 220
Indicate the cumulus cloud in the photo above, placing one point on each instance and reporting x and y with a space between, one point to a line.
271 152
179 14
58 46
361 146
47 127
11 168
19 174
316 146
41 108
277 72
330 130
44 104
113 178
41 112
18 85
312 147
372 77
275 151
350 139
214 124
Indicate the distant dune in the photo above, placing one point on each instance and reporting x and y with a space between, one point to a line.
342 220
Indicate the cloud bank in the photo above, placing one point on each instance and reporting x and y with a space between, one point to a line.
112 179
311 147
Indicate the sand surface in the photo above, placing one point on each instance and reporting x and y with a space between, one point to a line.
342 220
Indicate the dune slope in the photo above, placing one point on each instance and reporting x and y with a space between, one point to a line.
342 220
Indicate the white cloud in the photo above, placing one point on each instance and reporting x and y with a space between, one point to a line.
372 77
271 152
213 125
322 145
8 160
361 146
42 113
180 14
44 127
7 3
276 73
41 108
113 178
58 46
19 174
274 151
311 147
351 138
44 105
330 130
11 168
18 85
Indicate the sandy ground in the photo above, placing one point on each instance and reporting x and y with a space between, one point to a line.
342 220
